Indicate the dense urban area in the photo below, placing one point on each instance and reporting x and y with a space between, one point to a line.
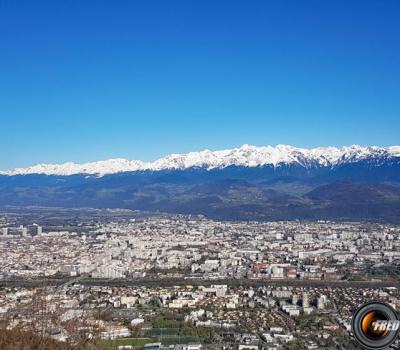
129 280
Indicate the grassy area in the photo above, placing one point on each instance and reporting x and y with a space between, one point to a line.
156 332
113 344
139 342
178 340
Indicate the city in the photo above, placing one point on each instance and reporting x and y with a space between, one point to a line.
186 282
200 175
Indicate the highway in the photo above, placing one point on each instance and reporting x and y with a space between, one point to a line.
170 282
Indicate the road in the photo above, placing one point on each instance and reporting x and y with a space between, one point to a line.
170 282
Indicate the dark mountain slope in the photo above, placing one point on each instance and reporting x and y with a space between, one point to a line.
356 201
349 191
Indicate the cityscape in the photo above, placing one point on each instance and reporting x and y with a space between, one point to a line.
200 175
160 281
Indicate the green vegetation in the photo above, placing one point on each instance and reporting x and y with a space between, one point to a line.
170 328
128 341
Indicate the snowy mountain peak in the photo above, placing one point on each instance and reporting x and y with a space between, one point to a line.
246 155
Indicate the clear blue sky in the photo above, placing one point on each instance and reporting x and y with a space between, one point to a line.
90 80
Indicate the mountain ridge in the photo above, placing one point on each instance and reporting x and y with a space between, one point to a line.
244 156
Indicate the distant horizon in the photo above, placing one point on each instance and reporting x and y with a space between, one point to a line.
193 151
75 159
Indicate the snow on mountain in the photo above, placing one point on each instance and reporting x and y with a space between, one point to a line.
247 156
103 167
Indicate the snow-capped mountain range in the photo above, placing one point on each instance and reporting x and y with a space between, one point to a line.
245 156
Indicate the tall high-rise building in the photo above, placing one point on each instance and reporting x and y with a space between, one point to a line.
4 231
39 230
24 232
306 300
321 302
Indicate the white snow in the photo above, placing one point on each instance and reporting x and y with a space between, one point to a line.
247 156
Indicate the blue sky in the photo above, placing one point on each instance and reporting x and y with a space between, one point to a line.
90 80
